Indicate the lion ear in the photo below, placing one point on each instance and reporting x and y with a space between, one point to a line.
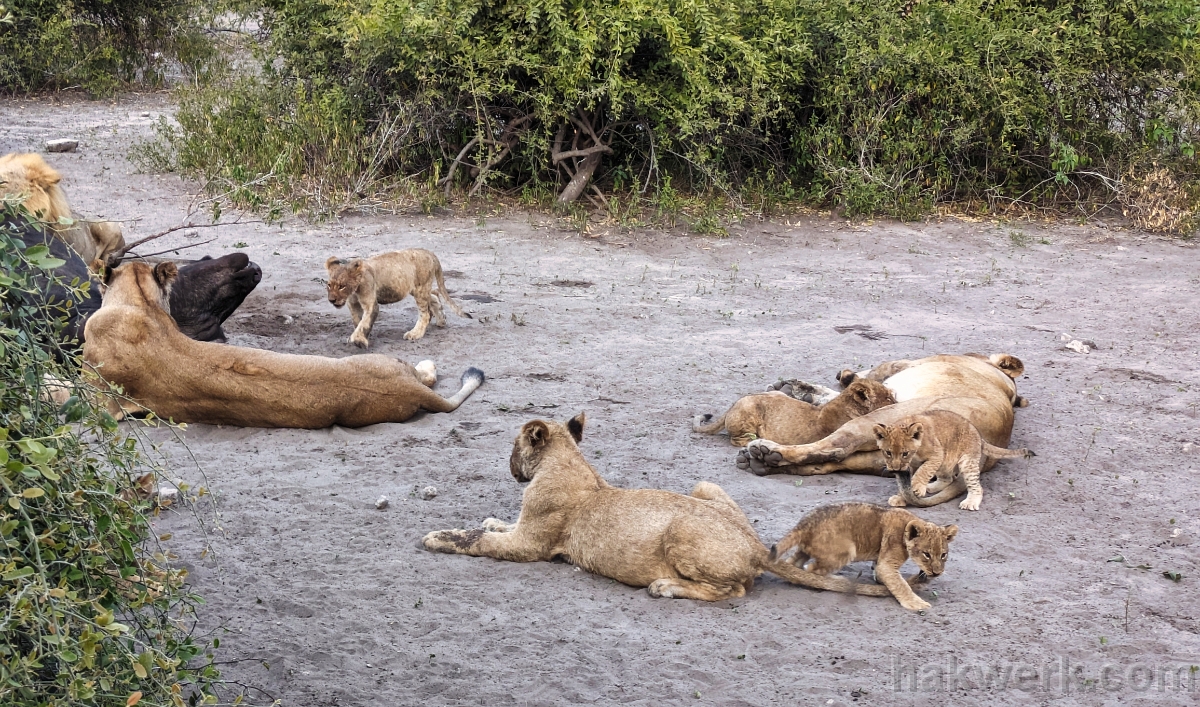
535 433
333 260
880 431
951 531
575 426
860 392
358 265
915 430
165 274
912 530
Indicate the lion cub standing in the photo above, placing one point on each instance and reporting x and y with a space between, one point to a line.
942 441
782 419
832 537
386 278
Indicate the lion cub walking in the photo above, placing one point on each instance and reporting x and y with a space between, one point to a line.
386 278
782 419
832 537
942 441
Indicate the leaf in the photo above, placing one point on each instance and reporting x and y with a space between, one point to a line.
1172 575
68 655
1116 558
14 502
133 699
16 574
33 492
140 670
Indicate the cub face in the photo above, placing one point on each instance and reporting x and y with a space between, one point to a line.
344 278
928 545
535 438
867 396
899 443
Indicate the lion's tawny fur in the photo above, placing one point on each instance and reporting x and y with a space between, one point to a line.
831 537
699 546
783 419
28 177
365 283
939 443
133 343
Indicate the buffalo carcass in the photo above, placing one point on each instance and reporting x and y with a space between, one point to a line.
205 294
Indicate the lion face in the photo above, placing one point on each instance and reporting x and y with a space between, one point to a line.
928 545
899 443
136 283
344 278
866 396
535 438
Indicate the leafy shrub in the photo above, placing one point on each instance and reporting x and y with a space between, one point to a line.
98 44
879 107
88 614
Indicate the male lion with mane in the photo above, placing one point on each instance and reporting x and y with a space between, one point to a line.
132 343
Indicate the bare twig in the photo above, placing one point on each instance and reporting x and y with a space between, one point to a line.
172 250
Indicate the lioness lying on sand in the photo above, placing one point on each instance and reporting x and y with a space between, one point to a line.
132 343
693 547
29 177
364 284
781 418
979 388
832 537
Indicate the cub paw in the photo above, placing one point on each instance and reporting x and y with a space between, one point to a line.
451 541
915 604
919 490
970 504
661 589
897 502
360 341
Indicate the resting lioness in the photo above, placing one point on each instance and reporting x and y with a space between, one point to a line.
981 389
132 343
694 547
832 537
781 418
942 442
384 279
36 183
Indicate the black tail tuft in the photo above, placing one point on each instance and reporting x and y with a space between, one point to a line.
473 373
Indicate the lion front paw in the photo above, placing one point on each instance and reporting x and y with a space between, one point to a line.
451 541
360 341
762 456
897 501
413 335
970 503
662 589
919 489
915 604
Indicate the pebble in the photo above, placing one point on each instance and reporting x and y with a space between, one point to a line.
429 492
61 145
382 503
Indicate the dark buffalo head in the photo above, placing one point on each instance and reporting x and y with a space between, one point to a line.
208 291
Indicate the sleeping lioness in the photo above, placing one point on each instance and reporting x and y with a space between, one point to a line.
364 284
692 547
29 177
781 418
980 388
132 343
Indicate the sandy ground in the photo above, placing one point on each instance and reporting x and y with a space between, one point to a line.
320 599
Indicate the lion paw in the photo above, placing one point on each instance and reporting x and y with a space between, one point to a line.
495 525
762 456
413 335
915 604
919 489
360 341
451 541
970 504
897 502
662 589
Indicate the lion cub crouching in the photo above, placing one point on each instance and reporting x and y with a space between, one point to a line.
942 441
832 537
785 420
364 284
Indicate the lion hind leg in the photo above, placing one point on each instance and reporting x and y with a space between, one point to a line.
424 312
670 588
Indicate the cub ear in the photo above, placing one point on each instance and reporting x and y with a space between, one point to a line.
951 531
880 432
165 274
915 430
912 530
358 265
860 392
535 433
333 260
575 426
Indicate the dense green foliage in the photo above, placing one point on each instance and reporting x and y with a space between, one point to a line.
97 44
88 614
881 107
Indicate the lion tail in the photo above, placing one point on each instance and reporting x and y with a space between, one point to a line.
794 575
446 295
708 425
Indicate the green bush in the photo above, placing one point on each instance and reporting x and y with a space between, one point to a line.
878 107
88 614
100 45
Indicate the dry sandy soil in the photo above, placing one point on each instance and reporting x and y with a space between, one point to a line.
320 599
